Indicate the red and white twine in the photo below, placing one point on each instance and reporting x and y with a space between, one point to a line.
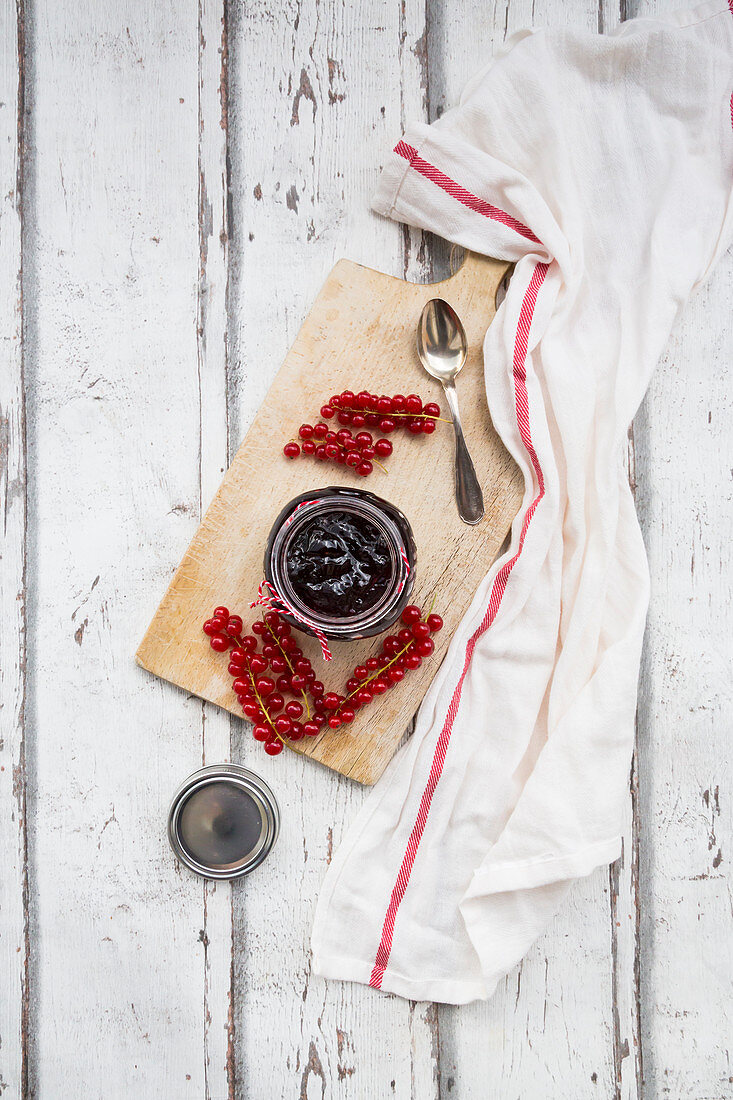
276 602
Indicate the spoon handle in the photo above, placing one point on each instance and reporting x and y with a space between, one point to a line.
469 497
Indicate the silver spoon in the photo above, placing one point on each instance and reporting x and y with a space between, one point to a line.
442 348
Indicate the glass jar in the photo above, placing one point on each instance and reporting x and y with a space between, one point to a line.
344 560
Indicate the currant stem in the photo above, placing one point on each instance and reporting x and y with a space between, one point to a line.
379 671
277 643
263 708
388 416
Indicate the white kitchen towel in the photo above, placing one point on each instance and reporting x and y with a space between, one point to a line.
602 165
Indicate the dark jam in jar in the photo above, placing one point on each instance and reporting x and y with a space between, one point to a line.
339 564
344 560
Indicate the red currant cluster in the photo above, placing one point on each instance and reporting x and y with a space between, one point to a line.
359 411
262 697
400 653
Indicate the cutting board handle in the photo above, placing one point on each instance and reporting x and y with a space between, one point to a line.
471 269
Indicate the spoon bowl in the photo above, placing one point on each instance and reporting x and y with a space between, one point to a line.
441 340
442 348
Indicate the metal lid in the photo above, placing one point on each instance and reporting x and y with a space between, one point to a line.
223 821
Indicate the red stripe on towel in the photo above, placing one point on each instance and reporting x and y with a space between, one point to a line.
497 592
452 188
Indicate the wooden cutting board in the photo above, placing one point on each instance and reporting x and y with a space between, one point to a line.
360 334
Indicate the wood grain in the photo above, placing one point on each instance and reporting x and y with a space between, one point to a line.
360 331
15 946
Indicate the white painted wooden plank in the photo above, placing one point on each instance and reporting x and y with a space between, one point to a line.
682 441
113 270
557 1025
13 853
684 470
219 1059
318 93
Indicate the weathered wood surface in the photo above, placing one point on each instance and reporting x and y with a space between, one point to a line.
359 332
170 248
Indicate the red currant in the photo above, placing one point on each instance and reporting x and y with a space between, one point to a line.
416 426
317 689
311 729
283 725
387 424
273 748
413 404
428 427
294 709
248 644
413 660
383 448
275 703
344 417
360 672
347 715
434 622
396 674
378 686
358 420
331 450
372 663
346 398
420 630
425 647
219 643
411 614
334 721
320 431
261 733
384 405
257 664
327 411
321 453
291 450
309 447
221 613
297 733
398 403
431 409
331 700
305 431
364 469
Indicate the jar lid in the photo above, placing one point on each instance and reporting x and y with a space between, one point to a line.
223 821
